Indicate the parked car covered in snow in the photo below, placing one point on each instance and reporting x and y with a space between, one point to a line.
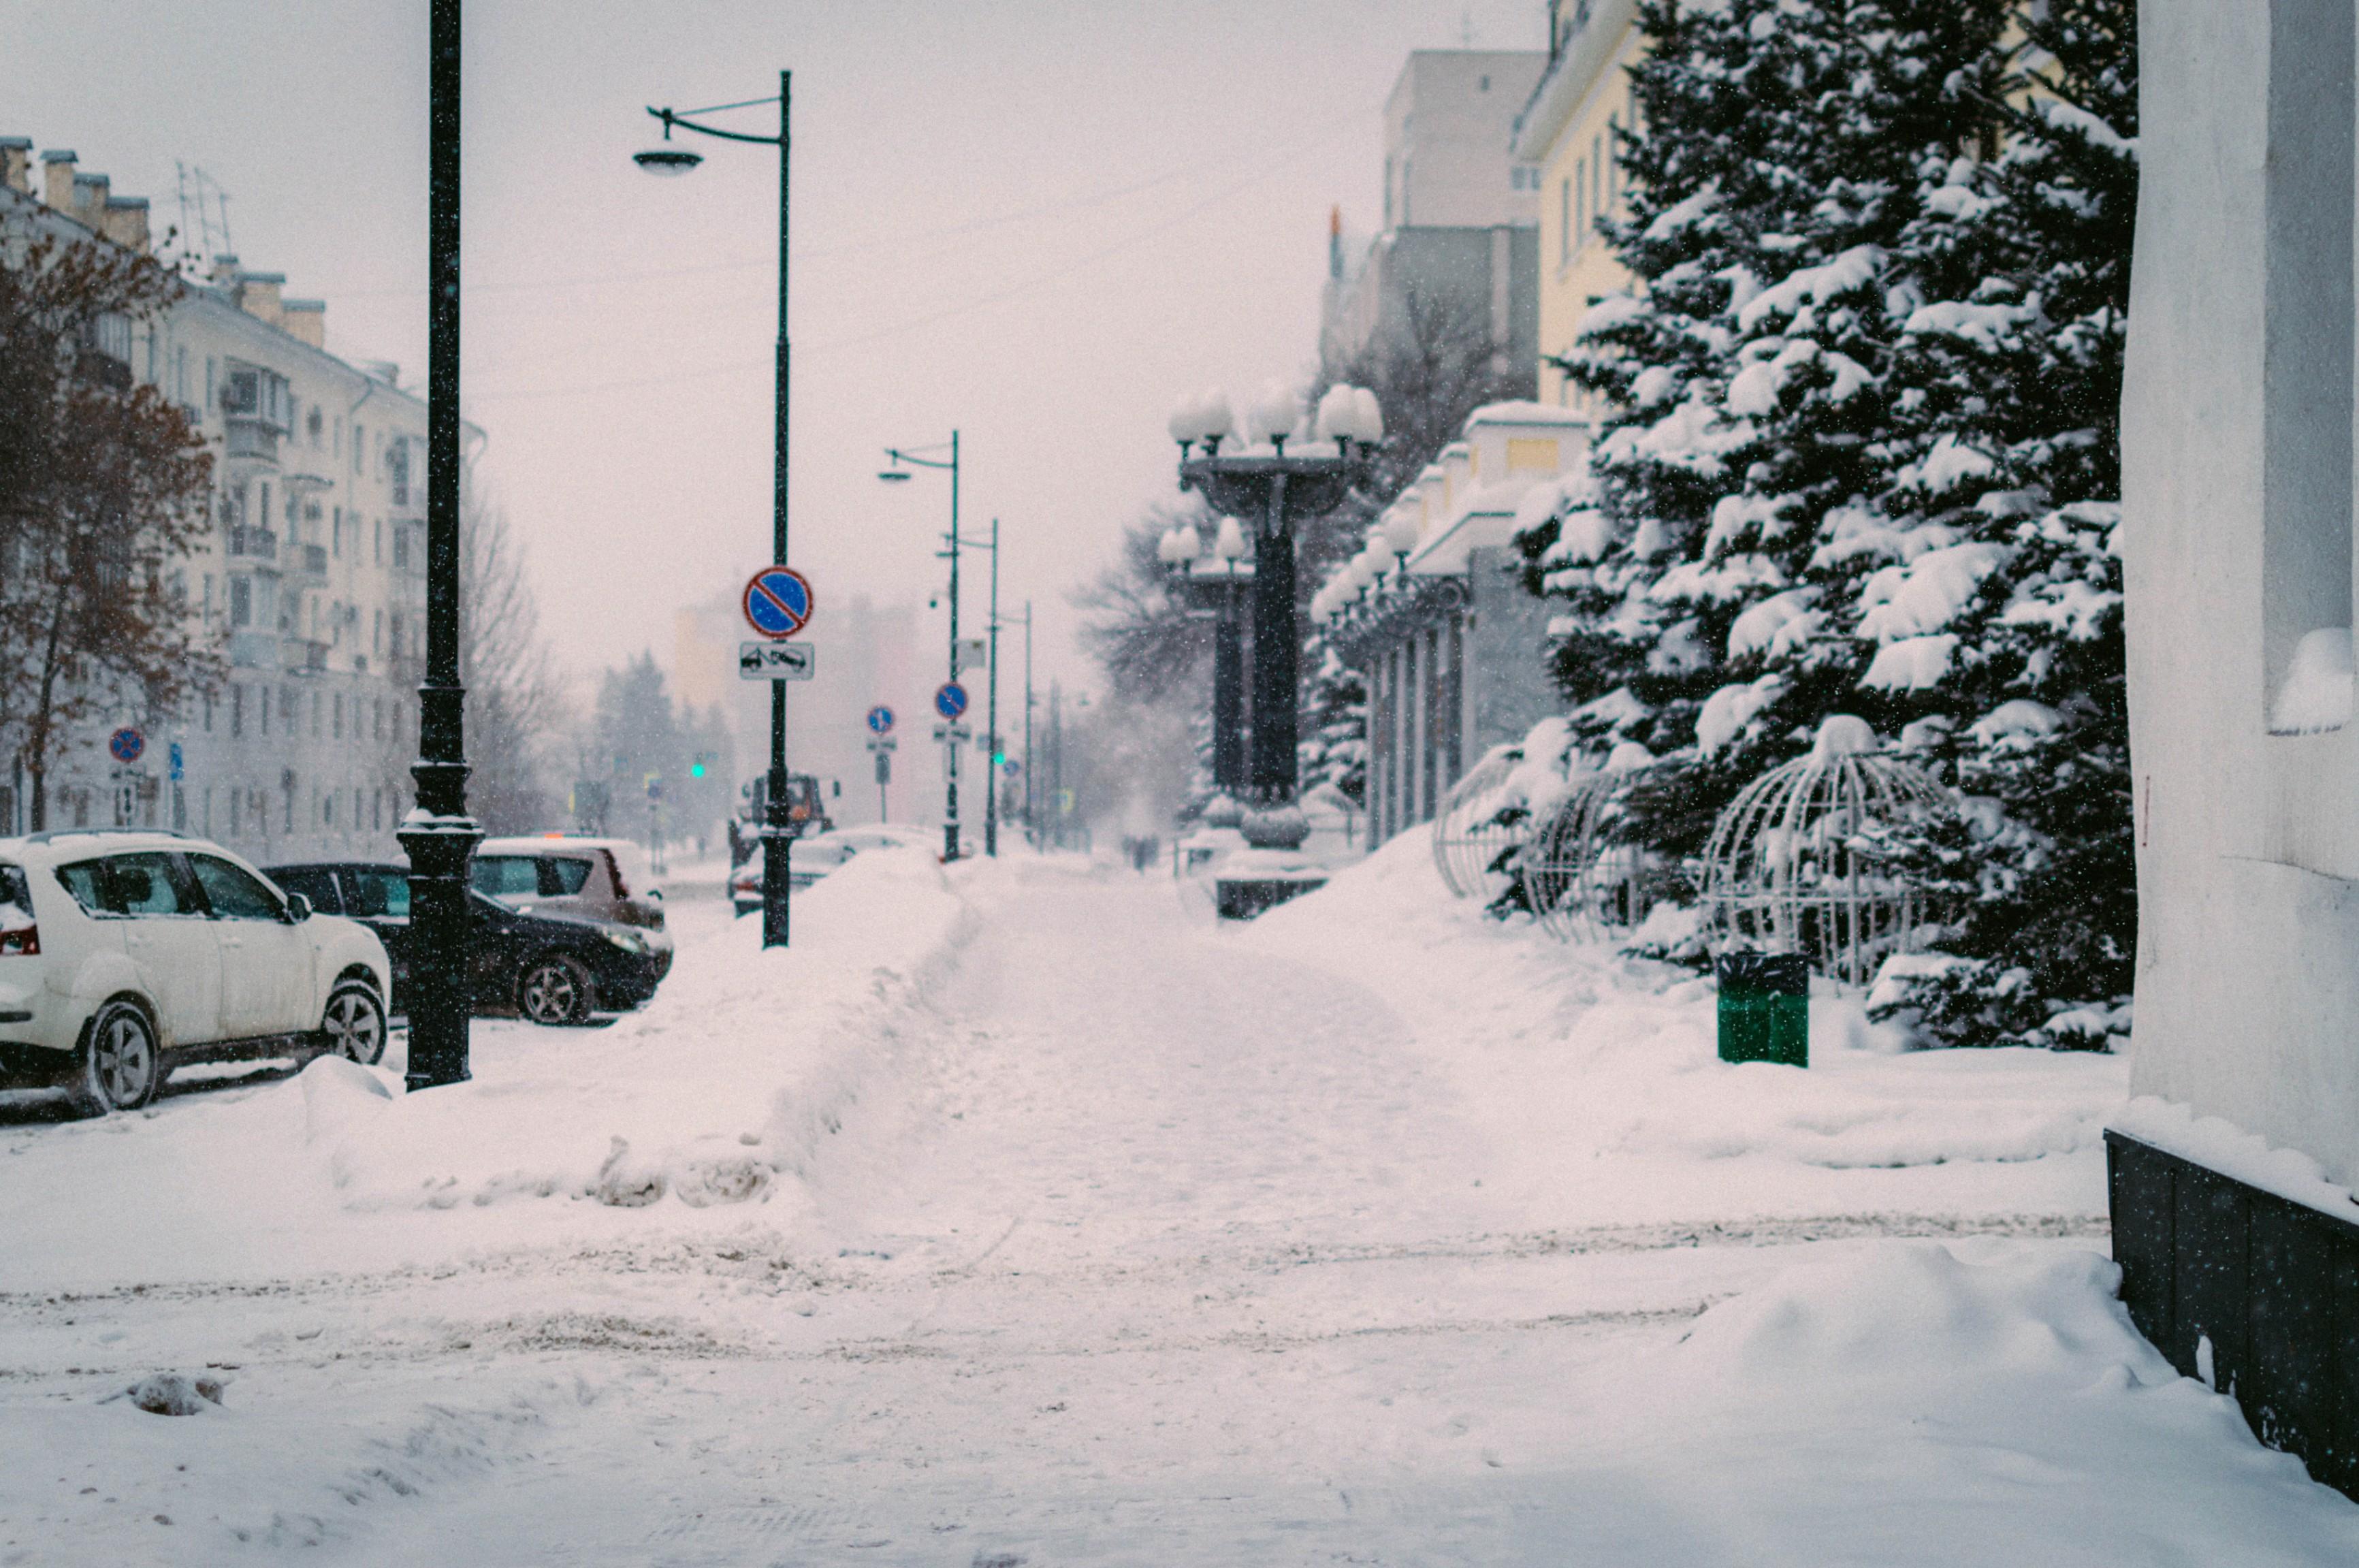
125 954
809 859
547 968
604 880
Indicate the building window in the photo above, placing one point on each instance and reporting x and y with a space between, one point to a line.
1565 223
264 691
377 541
2306 374
209 384
337 718
1597 178
360 442
236 711
313 426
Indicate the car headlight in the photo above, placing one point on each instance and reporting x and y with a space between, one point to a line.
628 940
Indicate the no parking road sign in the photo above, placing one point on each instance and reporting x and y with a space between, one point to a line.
950 701
125 745
779 602
880 720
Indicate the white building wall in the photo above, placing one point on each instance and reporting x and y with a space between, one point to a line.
2248 842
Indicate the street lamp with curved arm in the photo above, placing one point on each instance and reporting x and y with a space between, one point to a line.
777 824
898 475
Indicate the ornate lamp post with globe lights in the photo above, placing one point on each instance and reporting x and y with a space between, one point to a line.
1213 573
1274 490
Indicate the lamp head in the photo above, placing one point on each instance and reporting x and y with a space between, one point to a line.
668 161
893 475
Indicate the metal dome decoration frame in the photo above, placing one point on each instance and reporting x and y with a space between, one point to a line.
1784 871
1584 883
1468 837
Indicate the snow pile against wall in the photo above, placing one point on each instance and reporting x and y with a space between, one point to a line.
1613 1060
729 1081
1999 1387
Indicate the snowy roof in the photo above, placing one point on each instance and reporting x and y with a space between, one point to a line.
1525 413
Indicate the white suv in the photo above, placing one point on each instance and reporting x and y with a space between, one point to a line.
126 954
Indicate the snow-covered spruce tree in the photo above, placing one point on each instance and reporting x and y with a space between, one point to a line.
1335 746
1714 557
1865 458
2016 359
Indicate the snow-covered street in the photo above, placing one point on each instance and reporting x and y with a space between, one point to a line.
1024 1216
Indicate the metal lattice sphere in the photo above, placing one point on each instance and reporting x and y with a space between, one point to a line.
1585 881
1468 837
1786 872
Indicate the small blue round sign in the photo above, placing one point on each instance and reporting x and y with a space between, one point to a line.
951 701
779 602
880 720
125 745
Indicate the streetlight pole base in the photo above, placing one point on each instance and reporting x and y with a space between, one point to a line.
436 992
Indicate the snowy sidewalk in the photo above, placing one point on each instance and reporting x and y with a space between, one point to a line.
1371 1233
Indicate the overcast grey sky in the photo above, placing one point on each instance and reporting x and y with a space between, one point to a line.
1035 221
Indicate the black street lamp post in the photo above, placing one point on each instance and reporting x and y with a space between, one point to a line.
896 475
437 835
778 825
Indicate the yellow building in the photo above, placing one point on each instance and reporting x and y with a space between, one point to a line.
1569 129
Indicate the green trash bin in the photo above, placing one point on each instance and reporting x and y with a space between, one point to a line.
1764 1008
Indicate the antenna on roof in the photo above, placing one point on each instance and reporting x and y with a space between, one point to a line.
204 234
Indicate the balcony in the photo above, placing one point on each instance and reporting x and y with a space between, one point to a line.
307 560
244 543
251 439
303 657
254 650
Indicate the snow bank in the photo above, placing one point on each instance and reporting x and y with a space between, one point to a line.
1994 1396
736 1074
1605 1059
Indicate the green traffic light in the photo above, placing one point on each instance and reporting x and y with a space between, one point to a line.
696 771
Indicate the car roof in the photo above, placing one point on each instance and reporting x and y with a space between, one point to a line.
56 845
549 843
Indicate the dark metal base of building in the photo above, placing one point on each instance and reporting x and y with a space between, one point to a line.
2273 1284
1242 898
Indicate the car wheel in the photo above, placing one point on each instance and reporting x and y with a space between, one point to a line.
354 1023
554 990
121 1066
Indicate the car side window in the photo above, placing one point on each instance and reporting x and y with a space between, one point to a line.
146 884
506 876
235 895
379 894
16 896
86 881
562 878
315 882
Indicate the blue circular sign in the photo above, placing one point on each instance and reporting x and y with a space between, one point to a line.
779 602
880 720
125 745
951 701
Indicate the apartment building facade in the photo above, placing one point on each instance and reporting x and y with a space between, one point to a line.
311 581
1567 133
1459 216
